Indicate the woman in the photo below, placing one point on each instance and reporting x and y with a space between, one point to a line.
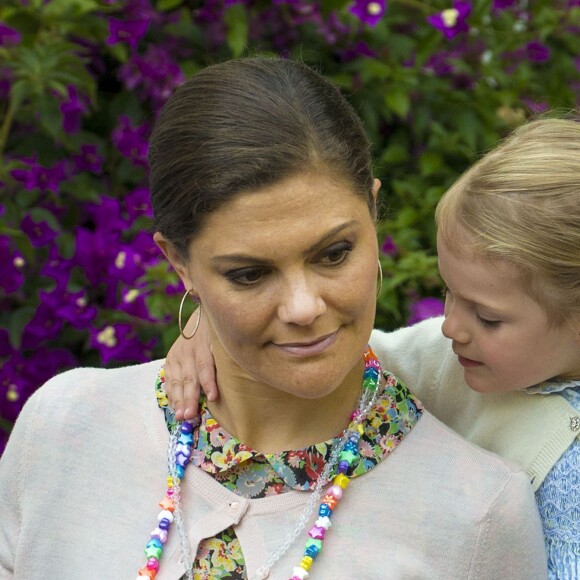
265 204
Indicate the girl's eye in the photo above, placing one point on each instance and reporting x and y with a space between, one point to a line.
337 254
488 323
246 276
444 291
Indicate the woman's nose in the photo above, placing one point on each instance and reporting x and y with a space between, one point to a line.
301 303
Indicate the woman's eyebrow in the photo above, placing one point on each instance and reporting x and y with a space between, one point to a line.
245 258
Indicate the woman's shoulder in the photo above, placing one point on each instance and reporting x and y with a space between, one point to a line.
89 386
450 447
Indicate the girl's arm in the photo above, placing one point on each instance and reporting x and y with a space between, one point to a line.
189 366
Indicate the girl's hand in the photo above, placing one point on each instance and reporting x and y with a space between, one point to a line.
189 365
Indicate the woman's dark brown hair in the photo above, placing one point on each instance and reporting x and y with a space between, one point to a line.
243 125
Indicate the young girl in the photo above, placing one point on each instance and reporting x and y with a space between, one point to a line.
502 367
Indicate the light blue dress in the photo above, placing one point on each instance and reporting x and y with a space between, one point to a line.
559 497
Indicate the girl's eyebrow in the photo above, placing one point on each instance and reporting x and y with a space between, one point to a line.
477 302
245 258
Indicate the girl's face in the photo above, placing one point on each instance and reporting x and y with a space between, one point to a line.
287 279
501 336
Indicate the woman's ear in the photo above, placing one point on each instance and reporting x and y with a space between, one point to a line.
174 258
375 190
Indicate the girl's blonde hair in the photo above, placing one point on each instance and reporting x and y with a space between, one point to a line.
520 204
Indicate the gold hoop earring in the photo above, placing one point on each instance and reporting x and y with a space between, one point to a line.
380 279
180 322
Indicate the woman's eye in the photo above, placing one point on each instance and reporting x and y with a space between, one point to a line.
444 291
246 276
488 323
336 254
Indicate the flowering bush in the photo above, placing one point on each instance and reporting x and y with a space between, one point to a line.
436 83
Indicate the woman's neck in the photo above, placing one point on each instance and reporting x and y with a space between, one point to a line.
270 420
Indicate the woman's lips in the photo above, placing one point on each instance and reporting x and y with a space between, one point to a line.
311 348
467 362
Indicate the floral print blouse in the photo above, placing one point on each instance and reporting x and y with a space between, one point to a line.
252 474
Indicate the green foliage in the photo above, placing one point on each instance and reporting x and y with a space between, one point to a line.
431 106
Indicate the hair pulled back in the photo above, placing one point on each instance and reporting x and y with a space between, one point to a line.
521 204
243 125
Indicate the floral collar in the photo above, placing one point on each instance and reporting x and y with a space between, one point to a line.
553 386
255 474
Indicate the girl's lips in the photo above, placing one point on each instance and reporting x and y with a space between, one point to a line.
468 363
306 349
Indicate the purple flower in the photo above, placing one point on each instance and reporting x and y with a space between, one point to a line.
357 50
425 308
44 363
106 215
132 142
43 327
118 342
39 233
95 252
536 107
129 31
88 159
174 289
369 12
5 345
133 302
72 112
503 4
13 386
144 245
155 75
389 248
56 267
453 20
439 65
138 203
74 307
21 375
9 36
12 264
35 176
537 52
126 266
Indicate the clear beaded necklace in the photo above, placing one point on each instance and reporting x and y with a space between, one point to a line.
343 456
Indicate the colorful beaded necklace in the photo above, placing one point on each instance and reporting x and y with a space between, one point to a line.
344 456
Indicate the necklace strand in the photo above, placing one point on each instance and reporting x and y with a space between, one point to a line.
343 456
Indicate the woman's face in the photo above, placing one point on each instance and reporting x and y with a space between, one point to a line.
287 278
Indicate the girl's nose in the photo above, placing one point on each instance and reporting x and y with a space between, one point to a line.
454 328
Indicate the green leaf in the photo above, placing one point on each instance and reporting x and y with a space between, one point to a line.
166 5
16 323
398 101
430 162
19 91
236 19
39 214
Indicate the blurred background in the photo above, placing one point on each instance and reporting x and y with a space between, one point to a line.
437 84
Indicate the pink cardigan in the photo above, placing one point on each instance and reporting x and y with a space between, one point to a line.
85 468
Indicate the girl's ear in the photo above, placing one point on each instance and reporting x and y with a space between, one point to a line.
174 258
